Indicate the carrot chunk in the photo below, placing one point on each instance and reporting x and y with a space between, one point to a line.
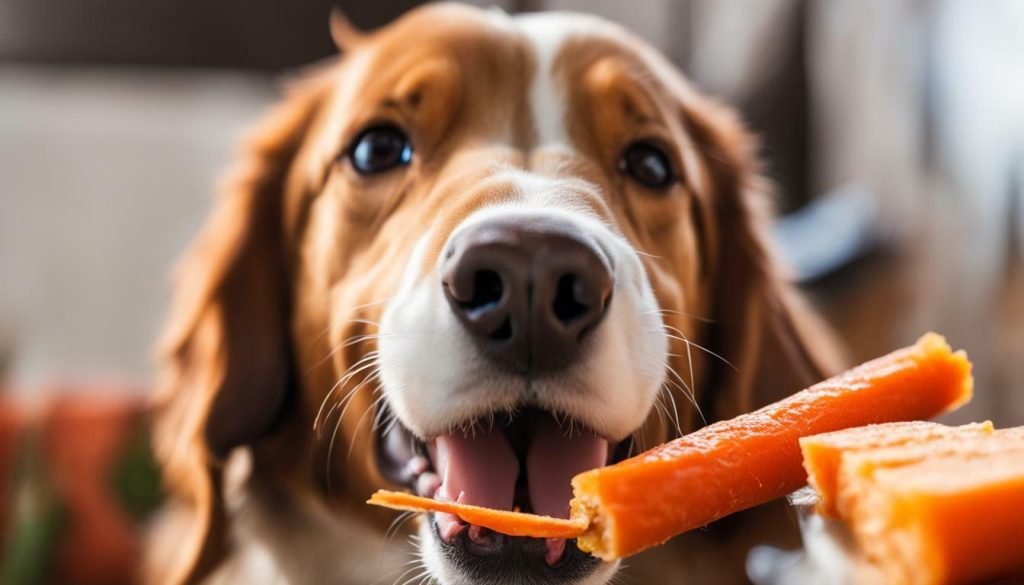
824 453
505 522
953 516
754 458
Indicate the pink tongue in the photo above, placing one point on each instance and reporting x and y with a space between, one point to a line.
480 470
553 459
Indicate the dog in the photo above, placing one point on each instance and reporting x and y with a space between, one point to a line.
471 256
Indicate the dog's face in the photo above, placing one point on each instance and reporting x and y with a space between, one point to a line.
478 255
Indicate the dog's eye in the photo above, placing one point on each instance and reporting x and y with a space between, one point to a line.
648 164
380 148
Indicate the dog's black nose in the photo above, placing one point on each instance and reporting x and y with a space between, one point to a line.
528 293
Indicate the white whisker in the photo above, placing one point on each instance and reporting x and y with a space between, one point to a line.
367 361
679 313
371 304
359 424
688 390
698 346
337 425
675 409
396 524
406 572
648 254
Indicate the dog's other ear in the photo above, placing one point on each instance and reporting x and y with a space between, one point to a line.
227 368
346 35
771 344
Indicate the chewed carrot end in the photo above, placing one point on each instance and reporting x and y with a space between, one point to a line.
501 521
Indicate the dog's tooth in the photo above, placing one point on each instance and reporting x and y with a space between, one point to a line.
554 550
448 526
427 484
416 466
480 535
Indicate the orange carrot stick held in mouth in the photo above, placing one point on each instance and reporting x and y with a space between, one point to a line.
731 465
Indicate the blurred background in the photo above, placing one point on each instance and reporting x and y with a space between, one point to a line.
894 130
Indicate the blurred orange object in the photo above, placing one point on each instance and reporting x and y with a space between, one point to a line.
10 428
76 438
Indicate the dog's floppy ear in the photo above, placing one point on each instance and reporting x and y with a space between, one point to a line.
769 342
227 368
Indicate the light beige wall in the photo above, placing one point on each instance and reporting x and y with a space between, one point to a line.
104 176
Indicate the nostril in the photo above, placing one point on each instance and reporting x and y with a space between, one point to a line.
480 299
487 292
567 309
503 332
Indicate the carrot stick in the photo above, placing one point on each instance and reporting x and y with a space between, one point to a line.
754 458
510 523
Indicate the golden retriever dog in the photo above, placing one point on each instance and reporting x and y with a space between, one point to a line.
470 257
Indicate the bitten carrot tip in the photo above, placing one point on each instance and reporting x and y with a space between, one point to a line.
503 521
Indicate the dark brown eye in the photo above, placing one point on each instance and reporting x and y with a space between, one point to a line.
648 164
380 148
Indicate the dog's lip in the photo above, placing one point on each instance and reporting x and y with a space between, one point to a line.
536 560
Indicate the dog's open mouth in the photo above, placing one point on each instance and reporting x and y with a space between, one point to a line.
524 461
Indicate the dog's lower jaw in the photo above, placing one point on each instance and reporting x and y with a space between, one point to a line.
431 559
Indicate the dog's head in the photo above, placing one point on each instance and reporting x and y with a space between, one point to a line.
472 257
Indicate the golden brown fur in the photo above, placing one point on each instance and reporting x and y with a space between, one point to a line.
279 296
